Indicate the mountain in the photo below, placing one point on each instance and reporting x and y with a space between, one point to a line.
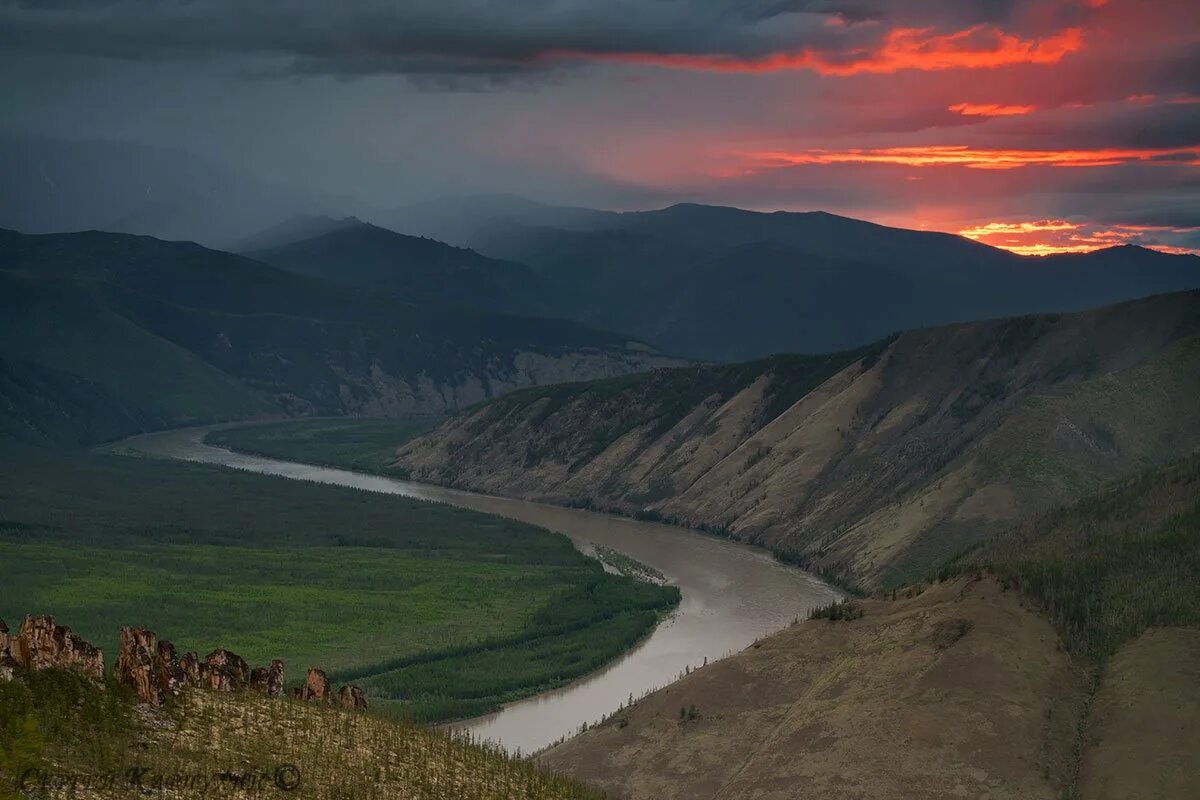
419 270
869 465
296 228
727 284
467 221
104 334
955 688
56 185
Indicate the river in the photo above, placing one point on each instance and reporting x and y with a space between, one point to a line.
732 594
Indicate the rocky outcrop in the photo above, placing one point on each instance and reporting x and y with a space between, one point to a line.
150 667
136 651
167 669
268 679
224 671
189 663
351 697
316 687
40 643
7 662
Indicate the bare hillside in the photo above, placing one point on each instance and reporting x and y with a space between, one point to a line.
870 465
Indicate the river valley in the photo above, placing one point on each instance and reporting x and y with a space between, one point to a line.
732 594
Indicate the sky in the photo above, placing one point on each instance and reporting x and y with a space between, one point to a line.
1048 126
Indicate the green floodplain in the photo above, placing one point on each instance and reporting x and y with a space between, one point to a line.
439 613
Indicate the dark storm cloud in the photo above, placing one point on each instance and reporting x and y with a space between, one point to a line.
481 37
1128 123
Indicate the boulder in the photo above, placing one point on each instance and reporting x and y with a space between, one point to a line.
351 697
316 687
223 671
135 663
42 644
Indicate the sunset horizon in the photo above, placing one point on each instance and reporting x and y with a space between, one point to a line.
1039 127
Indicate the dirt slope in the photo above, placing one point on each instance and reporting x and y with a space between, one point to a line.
1145 722
871 465
959 692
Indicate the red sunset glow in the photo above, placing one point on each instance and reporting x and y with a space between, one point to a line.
1053 111
964 156
942 114
978 47
1051 236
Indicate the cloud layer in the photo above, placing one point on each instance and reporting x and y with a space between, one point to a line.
949 114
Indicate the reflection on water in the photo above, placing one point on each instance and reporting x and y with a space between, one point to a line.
732 594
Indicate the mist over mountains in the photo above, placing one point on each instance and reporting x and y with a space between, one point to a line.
57 186
702 282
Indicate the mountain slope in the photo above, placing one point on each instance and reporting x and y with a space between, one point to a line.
872 467
416 269
869 708
170 333
958 688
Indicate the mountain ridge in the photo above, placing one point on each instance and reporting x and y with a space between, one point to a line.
625 268
172 333
422 270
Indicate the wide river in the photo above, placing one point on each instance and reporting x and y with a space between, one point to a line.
732 594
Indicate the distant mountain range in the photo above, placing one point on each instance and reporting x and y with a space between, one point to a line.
701 282
106 334
727 284
715 283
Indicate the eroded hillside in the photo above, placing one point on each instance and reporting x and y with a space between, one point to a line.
871 465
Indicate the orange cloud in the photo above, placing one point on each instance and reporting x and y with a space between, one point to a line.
1052 236
1007 228
978 47
989 109
975 158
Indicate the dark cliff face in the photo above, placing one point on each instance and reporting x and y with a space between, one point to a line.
872 465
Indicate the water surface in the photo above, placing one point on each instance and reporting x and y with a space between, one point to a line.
732 594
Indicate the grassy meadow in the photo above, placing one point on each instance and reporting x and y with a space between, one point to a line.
438 612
